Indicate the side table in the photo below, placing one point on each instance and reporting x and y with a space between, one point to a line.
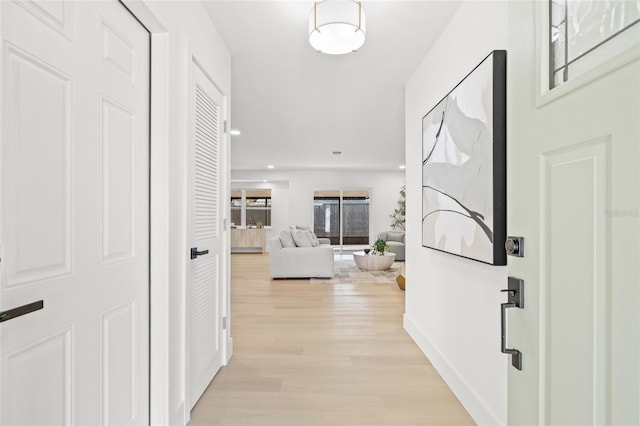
373 262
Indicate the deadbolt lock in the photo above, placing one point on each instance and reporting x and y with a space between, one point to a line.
514 246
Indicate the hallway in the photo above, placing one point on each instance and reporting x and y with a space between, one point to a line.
319 354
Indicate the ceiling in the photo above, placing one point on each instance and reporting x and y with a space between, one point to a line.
295 106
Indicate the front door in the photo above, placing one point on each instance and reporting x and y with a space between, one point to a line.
574 195
75 219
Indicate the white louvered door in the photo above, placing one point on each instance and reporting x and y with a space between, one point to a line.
205 281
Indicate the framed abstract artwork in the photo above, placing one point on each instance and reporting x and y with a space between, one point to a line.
464 172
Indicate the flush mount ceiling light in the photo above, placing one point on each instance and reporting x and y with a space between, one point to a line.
337 27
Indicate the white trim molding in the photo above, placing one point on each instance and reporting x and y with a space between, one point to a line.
159 366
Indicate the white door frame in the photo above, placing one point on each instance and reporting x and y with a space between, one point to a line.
160 321
159 404
159 342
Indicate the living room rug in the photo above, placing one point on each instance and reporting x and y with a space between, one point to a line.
346 272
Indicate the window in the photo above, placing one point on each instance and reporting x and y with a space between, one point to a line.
584 34
236 207
258 207
251 207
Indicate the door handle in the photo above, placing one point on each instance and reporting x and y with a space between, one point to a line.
21 310
195 253
516 355
515 291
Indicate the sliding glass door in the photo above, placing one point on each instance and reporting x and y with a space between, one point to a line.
355 218
326 215
342 216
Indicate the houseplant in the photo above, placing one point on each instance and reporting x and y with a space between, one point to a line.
398 215
379 247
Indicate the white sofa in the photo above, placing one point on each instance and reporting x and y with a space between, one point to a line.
301 260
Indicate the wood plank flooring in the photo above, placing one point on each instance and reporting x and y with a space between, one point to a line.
321 355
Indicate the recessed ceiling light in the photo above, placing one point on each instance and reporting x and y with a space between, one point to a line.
336 152
234 132
402 166
270 166
265 181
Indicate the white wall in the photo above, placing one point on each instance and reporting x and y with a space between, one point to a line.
453 304
190 34
292 193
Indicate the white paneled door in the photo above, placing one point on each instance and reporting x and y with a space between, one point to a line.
574 195
205 278
75 219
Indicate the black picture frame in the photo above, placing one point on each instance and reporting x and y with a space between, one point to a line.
464 174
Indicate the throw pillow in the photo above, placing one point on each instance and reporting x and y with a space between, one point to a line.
302 228
312 238
287 239
395 236
301 239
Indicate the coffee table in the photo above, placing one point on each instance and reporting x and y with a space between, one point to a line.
373 262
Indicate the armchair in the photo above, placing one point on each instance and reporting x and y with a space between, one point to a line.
395 241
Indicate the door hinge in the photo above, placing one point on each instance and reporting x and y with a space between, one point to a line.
224 323
226 128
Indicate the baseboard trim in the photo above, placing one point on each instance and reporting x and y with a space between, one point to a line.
471 401
229 350
180 416
246 250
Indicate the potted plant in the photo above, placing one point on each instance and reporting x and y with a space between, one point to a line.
379 247
398 216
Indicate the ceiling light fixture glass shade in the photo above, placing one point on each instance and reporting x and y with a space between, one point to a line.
337 27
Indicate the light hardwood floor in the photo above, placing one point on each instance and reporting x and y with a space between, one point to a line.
321 354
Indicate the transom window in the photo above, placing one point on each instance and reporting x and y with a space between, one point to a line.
586 33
